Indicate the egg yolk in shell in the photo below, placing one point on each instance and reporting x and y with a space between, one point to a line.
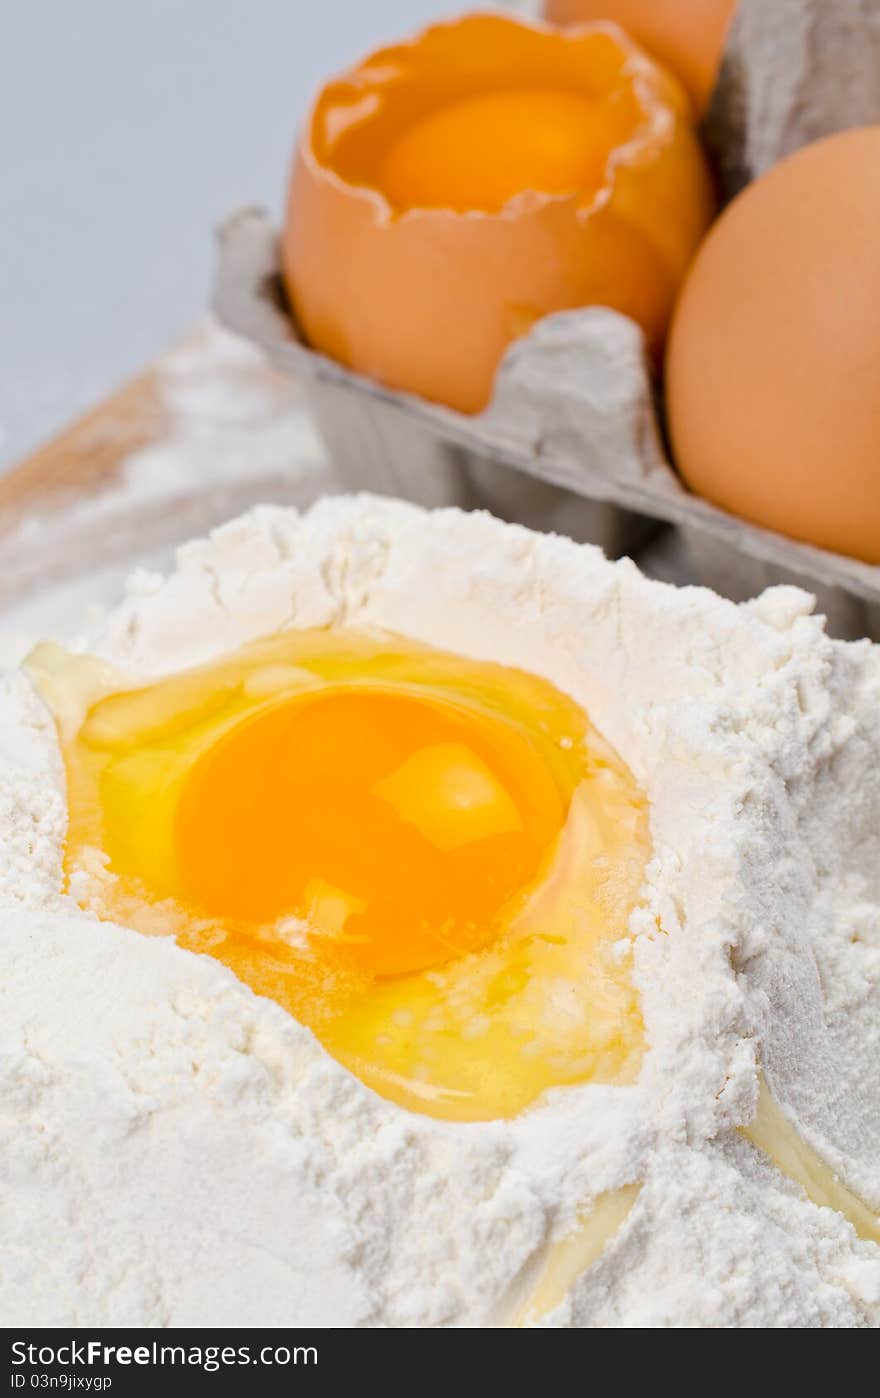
482 151
451 190
429 861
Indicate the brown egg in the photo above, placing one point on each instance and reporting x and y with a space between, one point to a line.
773 365
451 190
687 35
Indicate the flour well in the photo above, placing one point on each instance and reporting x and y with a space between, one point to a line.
182 1152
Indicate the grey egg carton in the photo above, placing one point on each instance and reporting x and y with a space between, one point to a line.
570 443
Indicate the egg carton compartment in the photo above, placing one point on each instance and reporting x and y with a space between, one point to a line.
374 447
571 441
397 444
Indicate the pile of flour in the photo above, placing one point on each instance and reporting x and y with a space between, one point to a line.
178 1151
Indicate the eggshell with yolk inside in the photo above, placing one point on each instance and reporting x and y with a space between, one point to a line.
426 300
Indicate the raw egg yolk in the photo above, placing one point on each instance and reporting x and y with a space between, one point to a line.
480 152
398 826
428 861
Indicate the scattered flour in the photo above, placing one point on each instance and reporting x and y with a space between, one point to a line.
178 1151
233 432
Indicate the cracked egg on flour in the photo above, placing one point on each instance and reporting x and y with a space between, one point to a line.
429 861
535 911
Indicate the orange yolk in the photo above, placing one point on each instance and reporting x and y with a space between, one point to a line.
428 861
480 152
396 826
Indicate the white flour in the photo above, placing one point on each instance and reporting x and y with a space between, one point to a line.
182 1152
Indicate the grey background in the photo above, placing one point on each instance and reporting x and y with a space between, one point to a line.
127 129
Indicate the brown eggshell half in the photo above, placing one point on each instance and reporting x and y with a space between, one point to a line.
427 300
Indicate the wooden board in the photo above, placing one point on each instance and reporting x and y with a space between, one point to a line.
85 456
49 534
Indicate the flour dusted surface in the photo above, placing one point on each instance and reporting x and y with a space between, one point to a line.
184 1153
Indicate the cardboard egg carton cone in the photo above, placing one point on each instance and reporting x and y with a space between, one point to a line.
792 72
572 439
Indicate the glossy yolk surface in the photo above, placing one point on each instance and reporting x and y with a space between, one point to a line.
429 861
479 152
398 825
